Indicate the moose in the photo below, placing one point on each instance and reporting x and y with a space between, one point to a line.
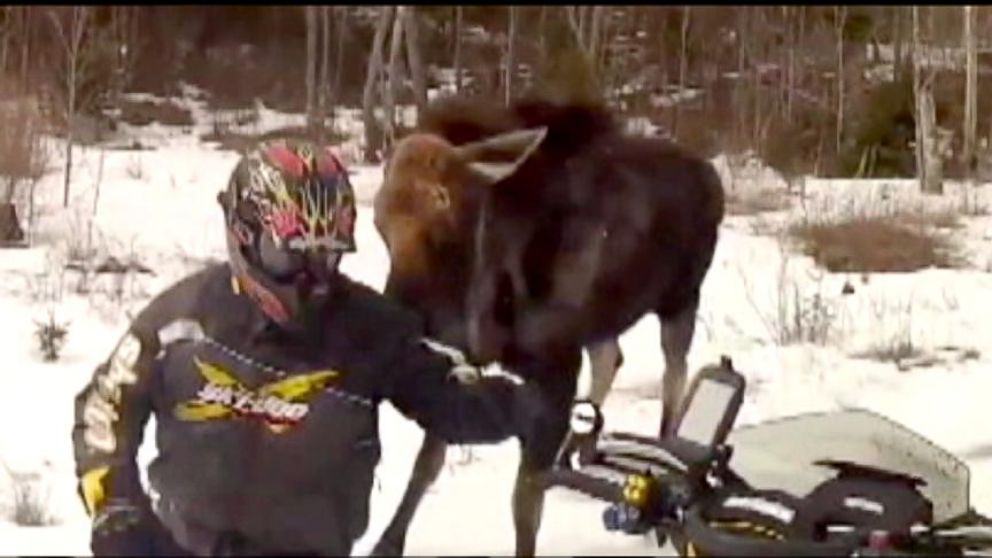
524 234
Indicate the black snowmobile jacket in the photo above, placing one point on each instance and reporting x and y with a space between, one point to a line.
263 438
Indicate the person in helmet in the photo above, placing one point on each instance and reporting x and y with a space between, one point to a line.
264 374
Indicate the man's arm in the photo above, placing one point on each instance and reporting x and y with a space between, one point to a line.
111 412
434 385
110 417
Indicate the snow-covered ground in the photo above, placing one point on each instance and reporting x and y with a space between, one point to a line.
161 204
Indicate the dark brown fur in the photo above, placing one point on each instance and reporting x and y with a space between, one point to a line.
566 289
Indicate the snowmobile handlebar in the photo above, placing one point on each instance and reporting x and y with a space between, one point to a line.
646 493
666 484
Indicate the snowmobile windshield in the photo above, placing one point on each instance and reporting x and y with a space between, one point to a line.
782 454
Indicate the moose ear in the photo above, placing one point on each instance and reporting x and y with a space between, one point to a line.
498 157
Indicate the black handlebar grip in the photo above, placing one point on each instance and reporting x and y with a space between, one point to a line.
590 485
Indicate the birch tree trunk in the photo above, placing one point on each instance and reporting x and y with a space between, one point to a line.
72 44
790 64
324 83
511 55
342 31
372 131
5 35
840 13
583 25
740 29
752 55
596 37
26 27
542 41
683 49
71 112
457 63
311 71
897 42
799 38
927 156
971 90
920 167
393 87
414 60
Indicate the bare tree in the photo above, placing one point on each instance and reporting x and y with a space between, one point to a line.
575 15
458 49
324 82
596 34
917 75
311 72
72 37
542 22
342 31
927 153
6 32
126 43
580 12
374 70
740 32
414 60
683 63
395 73
511 54
27 27
971 89
840 18
897 42
798 39
750 39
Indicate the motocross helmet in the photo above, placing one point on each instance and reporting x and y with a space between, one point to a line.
290 215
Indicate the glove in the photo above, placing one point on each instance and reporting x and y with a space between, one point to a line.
122 529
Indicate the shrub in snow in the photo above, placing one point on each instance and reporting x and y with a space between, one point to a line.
896 243
30 495
800 309
135 170
51 337
804 318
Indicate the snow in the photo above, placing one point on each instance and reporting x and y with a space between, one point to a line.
161 203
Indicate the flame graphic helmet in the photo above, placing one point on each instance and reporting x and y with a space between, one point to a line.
290 212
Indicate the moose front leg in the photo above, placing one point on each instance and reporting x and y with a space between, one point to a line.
538 451
605 359
426 469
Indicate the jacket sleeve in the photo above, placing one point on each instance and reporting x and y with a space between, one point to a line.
112 410
434 385
110 416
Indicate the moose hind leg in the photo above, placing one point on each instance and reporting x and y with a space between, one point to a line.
676 337
605 358
426 469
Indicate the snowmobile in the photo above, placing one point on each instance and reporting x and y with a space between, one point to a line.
842 483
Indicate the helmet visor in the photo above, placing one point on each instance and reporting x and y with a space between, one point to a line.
285 260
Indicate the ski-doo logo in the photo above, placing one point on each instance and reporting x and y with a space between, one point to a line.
279 405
